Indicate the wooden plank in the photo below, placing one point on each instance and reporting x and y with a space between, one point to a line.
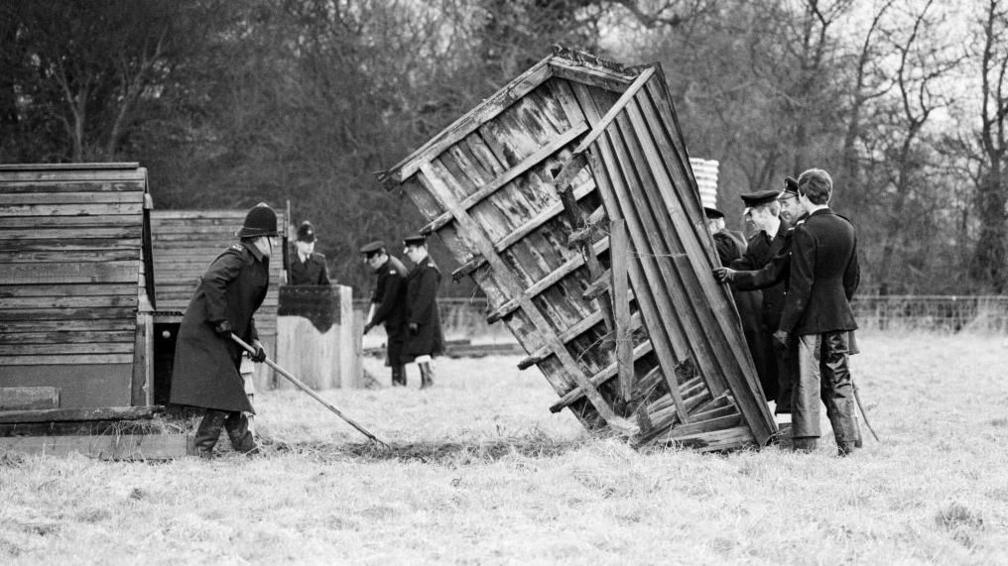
509 282
79 414
64 337
620 254
70 198
541 285
127 299
71 186
510 175
46 273
39 314
29 398
103 447
64 168
599 378
66 349
468 123
596 76
70 359
85 209
600 126
27 233
70 246
642 269
29 324
201 215
83 256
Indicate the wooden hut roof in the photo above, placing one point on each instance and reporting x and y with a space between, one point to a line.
74 241
569 198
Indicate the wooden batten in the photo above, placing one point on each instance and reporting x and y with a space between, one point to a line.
525 191
74 299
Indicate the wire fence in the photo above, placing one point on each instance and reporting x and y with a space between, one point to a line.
463 317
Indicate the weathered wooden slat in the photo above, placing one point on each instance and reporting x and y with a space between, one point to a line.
106 255
66 337
67 349
509 175
434 185
739 373
468 123
86 313
28 233
67 290
71 198
643 270
603 123
199 216
29 398
620 251
103 447
69 359
128 299
30 324
46 273
71 186
600 77
68 245
599 378
77 209
541 285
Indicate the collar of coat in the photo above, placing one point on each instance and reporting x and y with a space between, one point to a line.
251 247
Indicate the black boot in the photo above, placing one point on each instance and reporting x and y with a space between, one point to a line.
426 375
399 376
208 432
241 437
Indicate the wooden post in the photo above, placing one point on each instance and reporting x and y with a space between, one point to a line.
619 250
347 353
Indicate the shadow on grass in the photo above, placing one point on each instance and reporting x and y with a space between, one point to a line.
451 453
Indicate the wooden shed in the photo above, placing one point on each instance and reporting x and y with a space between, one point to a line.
75 305
569 198
184 244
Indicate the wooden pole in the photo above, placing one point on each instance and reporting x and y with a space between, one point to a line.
300 385
619 251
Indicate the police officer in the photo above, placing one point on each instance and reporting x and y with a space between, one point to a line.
773 364
308 267
206 369
388 305
424 338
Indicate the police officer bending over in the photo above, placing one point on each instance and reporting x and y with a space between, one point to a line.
206 366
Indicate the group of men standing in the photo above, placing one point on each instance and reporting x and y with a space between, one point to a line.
793 284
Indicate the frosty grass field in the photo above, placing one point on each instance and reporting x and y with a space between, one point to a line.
485 475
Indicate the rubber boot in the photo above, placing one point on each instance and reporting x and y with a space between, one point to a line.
426 375
208 432
237 426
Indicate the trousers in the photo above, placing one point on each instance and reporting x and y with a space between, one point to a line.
824 374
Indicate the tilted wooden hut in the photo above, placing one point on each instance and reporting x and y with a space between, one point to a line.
569 198
184 244
75 305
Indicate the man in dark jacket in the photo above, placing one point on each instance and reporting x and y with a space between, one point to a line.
773 363
730 247
388 305
206 370
424 339
307 267
824 274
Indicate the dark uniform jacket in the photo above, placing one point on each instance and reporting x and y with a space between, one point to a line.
312 271
824 274
421 308
205 372
730 249
390 299
761 251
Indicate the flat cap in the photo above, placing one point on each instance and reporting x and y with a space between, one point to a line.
372 248
415 240
759 197
306 232
711 213
790 185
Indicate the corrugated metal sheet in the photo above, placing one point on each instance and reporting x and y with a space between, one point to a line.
666 359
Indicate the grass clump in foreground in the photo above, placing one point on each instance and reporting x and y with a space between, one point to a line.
481 473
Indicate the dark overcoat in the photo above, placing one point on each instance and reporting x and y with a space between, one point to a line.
312 271
205 372
761 251
389 298
748 303
824 274
421 308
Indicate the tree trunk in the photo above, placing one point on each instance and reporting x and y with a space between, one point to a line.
987 267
